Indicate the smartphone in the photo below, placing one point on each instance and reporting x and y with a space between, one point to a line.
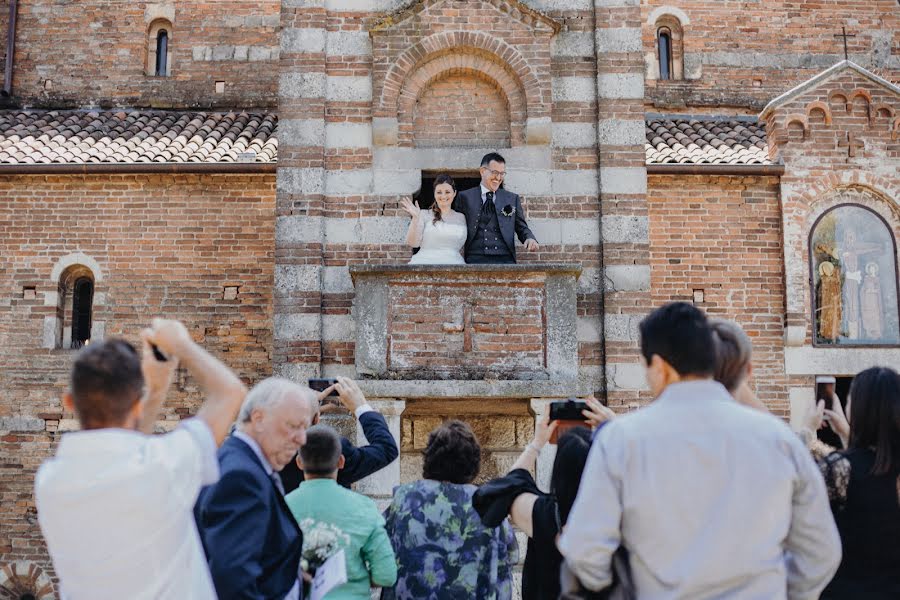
568 415
322 384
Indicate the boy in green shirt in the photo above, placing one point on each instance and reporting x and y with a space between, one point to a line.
350 521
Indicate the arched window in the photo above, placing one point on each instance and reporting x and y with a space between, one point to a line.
664 49
854 278
75 306
159 48
162 51
668 25
82 304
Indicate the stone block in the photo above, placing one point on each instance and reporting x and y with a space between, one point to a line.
538 131
385 131
296 278
348 135
298 229
295 40
573 43
348 182
301 85
21 423
575 135
619 229
621 132
406 434
294 180
619 39
626 278
348 43
574 89
296 327
349 88
620 86
623 180
422 426
301 132
411 464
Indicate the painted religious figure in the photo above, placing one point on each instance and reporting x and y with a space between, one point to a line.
854 274
829 307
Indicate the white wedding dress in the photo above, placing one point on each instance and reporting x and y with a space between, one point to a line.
442 241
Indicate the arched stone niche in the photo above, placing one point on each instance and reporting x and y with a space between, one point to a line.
499 51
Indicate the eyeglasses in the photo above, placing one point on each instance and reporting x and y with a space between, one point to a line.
500 174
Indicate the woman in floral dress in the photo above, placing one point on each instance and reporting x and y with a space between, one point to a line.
442 548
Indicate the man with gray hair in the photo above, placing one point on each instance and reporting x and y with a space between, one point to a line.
252 542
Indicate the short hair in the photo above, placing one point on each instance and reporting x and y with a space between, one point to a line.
875 416
106 382
733 353
491 157
267 393
453 454
321 453
679 333
572 451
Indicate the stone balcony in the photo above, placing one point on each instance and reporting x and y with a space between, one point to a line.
467 331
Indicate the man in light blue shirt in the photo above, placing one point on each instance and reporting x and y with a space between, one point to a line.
711 499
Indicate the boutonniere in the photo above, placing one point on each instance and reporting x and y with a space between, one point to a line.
508 210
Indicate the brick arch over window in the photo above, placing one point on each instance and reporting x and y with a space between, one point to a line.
468 65
459 108
462 43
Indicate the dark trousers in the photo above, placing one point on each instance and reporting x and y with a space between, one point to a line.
490 259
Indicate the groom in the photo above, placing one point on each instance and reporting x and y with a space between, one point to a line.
492 216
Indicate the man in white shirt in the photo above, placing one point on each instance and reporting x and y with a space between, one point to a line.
710 498
115 503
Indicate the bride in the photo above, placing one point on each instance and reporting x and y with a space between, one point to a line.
439 232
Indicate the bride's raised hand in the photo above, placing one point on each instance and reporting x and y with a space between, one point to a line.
410 207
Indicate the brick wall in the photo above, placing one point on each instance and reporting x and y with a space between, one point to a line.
462 110
165 245
722 235
739 54
94 53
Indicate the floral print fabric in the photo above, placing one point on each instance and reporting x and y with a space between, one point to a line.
443 550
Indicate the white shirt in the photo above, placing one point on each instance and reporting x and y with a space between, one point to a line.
484 193
710 498
116 510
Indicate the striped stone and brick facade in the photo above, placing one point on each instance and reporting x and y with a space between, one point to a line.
284 250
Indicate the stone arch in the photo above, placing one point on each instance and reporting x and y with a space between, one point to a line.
450 42
153 31
839 98
76 258
668 11
21 578
470 64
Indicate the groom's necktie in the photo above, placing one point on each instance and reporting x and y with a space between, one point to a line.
486 209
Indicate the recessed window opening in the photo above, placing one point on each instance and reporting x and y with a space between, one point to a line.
664 41
162 50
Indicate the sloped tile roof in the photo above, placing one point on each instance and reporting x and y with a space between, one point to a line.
713 141
80 137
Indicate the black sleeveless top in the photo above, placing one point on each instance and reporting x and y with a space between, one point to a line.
867 512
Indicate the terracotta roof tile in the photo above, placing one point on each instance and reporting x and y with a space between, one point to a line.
75 137
698 141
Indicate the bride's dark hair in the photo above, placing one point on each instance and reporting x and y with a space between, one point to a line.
440 179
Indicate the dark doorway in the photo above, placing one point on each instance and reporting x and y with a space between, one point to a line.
841 387
464 180
82 301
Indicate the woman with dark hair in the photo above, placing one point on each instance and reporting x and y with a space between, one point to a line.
540 515
443 550
863 482
439 232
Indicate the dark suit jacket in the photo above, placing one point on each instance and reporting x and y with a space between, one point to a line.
358 462
251 540
469 204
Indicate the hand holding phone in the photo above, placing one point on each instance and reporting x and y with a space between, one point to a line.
322 384
567 414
